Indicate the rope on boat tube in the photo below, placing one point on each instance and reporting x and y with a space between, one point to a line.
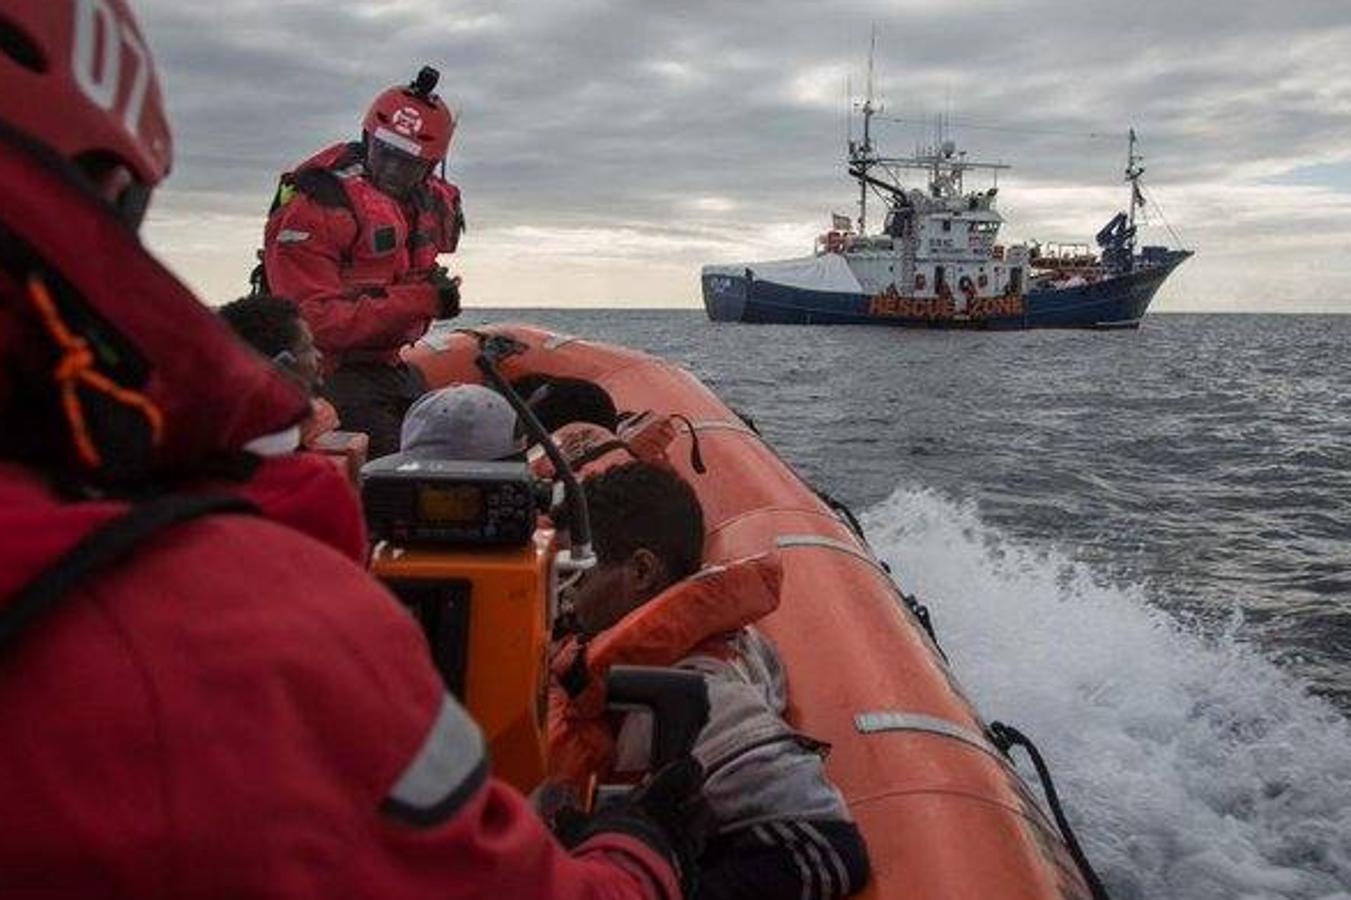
921 612
1006 737
912 603
842 510
749 422
696 457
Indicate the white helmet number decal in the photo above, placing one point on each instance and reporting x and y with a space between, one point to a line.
96 59
407 121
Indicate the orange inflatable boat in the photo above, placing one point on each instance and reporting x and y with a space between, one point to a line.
944 813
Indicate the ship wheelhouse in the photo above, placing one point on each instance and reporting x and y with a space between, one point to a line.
938 245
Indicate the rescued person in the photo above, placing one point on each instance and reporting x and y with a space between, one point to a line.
274 327
781 829
462 421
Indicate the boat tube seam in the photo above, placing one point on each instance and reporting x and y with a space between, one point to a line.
1031 812
774 510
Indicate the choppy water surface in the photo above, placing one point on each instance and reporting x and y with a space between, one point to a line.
1137 547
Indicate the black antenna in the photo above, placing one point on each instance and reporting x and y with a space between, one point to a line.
493 349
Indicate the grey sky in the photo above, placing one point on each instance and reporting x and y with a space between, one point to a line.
608 149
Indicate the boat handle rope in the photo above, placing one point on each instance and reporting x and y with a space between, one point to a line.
696 457
920 612
911 601
917 609
1006 737
842 510
747 420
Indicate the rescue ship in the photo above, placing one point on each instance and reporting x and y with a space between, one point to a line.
937 263
930 782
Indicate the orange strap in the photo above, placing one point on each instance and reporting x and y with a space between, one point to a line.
76 367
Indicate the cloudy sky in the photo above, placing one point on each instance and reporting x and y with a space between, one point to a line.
607 149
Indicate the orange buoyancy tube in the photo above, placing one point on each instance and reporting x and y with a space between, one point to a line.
943 812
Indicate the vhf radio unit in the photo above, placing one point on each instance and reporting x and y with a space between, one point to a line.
462 502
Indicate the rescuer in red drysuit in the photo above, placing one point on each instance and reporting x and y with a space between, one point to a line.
353 238
204 694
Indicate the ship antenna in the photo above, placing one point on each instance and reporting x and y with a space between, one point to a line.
848 108
872 51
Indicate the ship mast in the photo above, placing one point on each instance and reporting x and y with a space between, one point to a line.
1133 172
862 156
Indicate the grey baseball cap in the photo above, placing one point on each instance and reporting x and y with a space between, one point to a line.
460 421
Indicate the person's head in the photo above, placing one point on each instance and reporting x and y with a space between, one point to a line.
647 528
79 81
273 326
557 400
461 421
407 131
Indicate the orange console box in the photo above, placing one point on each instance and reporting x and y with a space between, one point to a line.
487 613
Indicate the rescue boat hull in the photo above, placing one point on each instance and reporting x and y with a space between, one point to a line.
1121 301
942 810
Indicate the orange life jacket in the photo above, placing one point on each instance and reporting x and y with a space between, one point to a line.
696 615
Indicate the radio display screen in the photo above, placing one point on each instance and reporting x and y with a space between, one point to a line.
458 504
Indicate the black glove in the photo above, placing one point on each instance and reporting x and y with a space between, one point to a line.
447 292
667 812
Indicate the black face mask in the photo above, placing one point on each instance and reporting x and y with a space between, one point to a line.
132 204
393 171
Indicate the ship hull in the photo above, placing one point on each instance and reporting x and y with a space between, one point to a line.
1117 302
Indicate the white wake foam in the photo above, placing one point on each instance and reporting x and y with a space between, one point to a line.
1190 766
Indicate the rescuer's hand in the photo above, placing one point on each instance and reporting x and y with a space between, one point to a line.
667 812
447 292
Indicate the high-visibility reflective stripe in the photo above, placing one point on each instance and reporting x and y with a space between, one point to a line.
449 767
406 144
878 722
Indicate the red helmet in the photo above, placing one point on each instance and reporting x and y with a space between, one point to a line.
78 78
412 118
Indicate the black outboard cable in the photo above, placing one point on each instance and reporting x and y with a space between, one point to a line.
1005 737
492 349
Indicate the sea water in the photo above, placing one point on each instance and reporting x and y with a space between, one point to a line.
1136 547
